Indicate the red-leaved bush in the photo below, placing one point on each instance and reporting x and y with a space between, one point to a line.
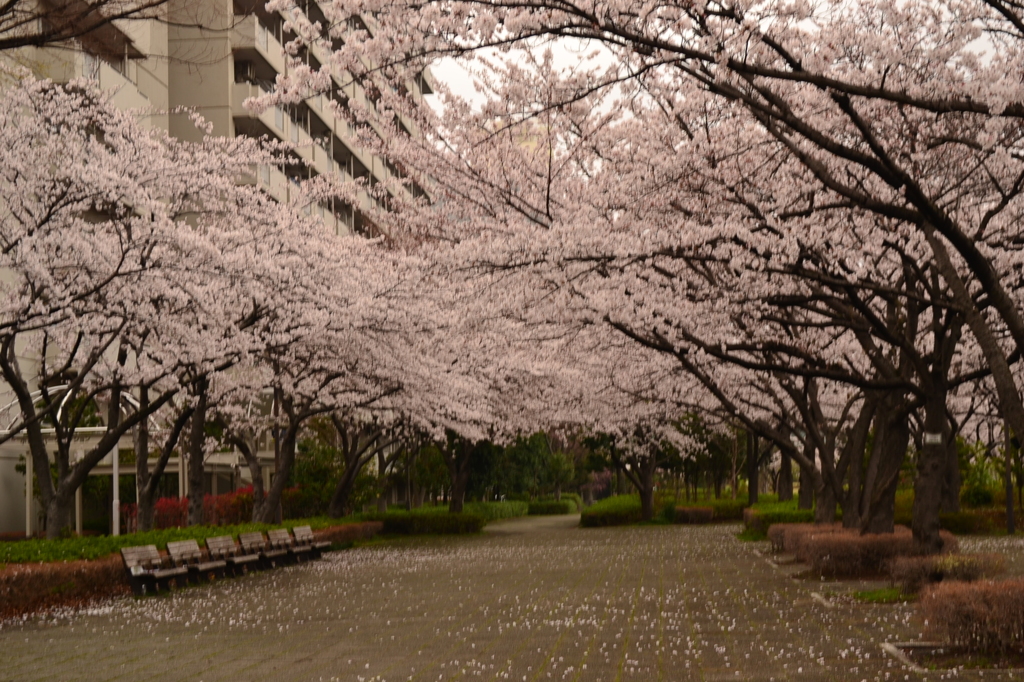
228 508
912 573
170 512
984 617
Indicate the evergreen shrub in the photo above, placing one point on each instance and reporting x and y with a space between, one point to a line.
619 510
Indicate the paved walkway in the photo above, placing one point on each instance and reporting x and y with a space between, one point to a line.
531 600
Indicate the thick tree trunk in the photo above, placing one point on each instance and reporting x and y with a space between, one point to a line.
382 467
753 467
196 469
931 469
286 459
951 479
1011 525
889 449
825 502
460 482
143 497
805 498
58 517
786 478
805 493
339 505
457 456
646 489
1010 405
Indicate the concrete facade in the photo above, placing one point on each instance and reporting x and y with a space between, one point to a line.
161 67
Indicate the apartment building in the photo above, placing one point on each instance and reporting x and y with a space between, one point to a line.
208 56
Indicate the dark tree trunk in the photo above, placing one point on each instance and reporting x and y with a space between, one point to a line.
246 443
825 502
753 467
805 499
339 505
786 478
1011 525
931 469
147 481
382 467
286 459
196 468
143 498
951 480
646 488
889 449
457 456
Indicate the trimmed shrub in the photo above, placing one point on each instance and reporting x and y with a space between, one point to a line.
493 511
620 510
405 523
693 515
762 518
984 617
32 587
794 536
551 508
349 532
845 552
726 510
912 573
779 533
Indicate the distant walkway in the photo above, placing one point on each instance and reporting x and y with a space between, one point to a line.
530 600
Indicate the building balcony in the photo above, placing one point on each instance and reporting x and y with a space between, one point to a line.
250 38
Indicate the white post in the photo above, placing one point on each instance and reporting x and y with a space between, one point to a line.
28 495
78 511
117 493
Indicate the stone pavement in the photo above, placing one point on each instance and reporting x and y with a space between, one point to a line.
531 600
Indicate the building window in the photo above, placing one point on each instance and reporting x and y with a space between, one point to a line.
261 36
265 175
279 118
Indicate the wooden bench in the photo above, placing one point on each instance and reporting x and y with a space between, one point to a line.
256 544
149 572
304 537
186 553
280 538
223 547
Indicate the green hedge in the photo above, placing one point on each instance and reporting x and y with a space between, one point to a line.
575 499
71 549
552 507
760 517
405 523
725 509
493 511
620 510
